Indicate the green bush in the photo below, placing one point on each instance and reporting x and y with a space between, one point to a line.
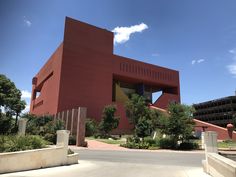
72 140
188 146
51 137
91 127
167 143
13 143
152 142
44 126
135 143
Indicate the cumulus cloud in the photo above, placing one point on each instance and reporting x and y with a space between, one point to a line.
197 61
122 34
25 94
27 108
27 22
193 62
200 60
232 67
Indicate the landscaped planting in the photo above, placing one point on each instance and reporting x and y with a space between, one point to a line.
11 143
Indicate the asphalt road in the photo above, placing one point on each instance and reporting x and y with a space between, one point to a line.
170 158
99 163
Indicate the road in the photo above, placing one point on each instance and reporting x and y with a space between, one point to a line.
100 163
170 158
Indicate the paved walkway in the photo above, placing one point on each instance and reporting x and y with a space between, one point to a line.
97 145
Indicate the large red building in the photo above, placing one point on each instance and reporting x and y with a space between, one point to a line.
83 71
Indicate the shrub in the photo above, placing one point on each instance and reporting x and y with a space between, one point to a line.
72 140
51 137
44 126
167 143
13 143
135 143
90 127
188 146
109 121
152 142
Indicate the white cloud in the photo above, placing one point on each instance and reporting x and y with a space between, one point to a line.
200 60
232 51
122 34
25 94
27 108
232 67
193 62
197 61
27 22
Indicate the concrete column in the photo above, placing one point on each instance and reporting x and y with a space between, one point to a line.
75 122
210 139
53 117
80 137
72 121
67 120
203 140
59 116
22 126
63 116
63 138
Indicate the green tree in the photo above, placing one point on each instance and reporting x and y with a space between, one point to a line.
179 123
90 127
5 124
141 116
10 98
109 121
136 108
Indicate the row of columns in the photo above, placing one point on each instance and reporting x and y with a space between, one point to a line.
74 122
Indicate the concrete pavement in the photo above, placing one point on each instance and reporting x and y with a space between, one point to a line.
108 169
107 160
110 163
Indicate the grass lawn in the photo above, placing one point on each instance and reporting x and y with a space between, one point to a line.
227 144
108 141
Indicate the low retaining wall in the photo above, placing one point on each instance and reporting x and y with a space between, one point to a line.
229 154
223 133
219 166
32 159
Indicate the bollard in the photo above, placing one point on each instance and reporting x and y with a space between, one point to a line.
22 126
210 140
202 138
63 138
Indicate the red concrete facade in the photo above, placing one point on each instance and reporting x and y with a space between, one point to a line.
82 72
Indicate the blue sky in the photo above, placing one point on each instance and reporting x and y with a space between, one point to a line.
197 38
